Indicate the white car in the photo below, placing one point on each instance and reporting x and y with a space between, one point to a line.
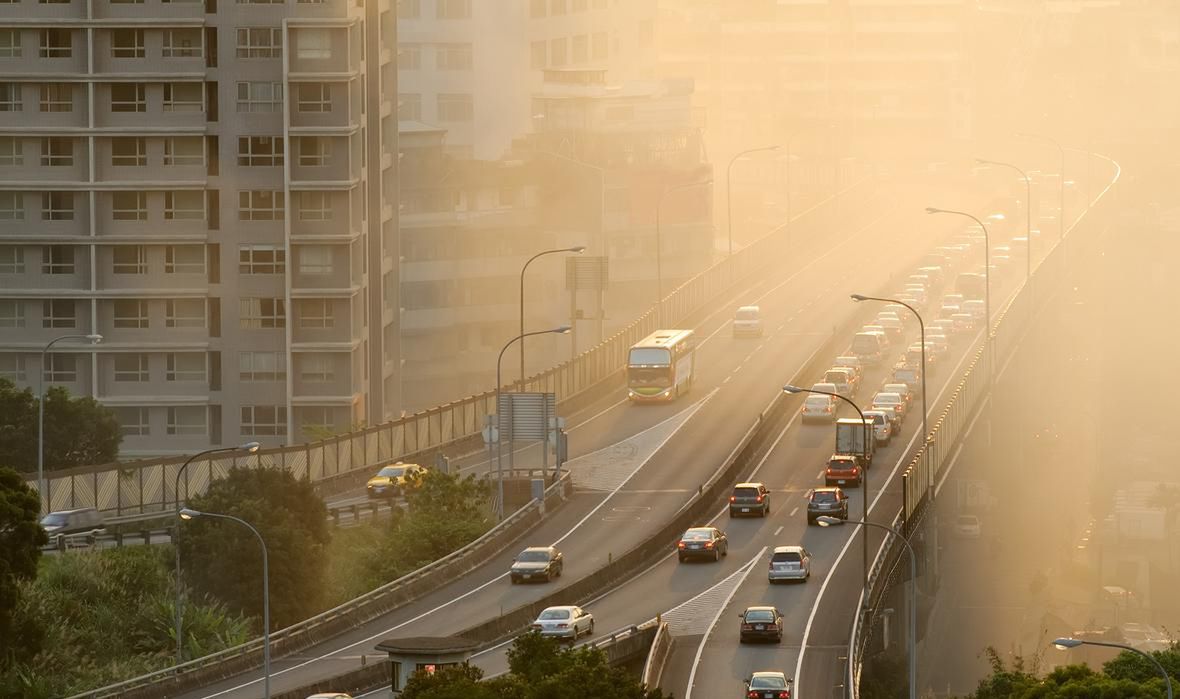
878 329
818 408
850 362
789 563
975 307
963 321
903 390
967 526
945 325
938 341
564 622
330 695
747 322
891 323
882 426
890 403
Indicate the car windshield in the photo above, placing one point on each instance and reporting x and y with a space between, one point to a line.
53 519
841 464
823 496
392 471
836 377
746 315
745 492
887 398
897 388
878 419
549 614
865 343
697 535
759 615
649 356
786 557
768 682
533 556
815 401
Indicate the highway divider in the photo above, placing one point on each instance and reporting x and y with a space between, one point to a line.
657 657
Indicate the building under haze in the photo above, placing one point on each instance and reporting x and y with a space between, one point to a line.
210 186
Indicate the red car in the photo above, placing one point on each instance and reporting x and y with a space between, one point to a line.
843 469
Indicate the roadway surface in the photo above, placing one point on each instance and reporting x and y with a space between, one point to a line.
736 380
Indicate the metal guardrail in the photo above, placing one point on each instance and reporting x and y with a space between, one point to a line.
923 471
144 486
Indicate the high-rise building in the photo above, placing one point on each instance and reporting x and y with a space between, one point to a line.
211 186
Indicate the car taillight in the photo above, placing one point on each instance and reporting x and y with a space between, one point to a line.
784 695
770 565
758 499
829 469
563 626
680 545
708 544
747 627
752 694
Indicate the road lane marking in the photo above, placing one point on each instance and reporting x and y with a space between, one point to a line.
794 511
720 609
780 527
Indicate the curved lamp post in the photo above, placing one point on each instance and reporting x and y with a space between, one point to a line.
1061 192
866 435
187 514
987 266
94 339
561 330
826 521
659 252
1067 643
577 250
1027 210
249 448
729 189
922 329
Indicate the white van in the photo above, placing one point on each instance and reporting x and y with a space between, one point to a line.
869 347
747 322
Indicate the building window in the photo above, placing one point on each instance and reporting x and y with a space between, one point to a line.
12 259
57 206
12 206
57 259
409 57
260 313
12 366
57 97
316 419
128 97
315 206
128 151
262 259
129 206
538 55
314 151
127 43
10 43
453 56
262 366
184 259
57 151
129 259
131 313
58 313
315 97
11 151
598 46
315 259
132 368
61 368
537 8
455 108
184 205
260 205
57 43
184 313
12 313
260 42
264 420
133 421
185 366
182 43
581 48
313 44
10 97
188 420
557 52
453 9
260 151
184 97
409 9
184 150
409 107
316 314
257 97
317 368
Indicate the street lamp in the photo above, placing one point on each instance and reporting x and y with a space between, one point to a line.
987 267
922 329
866 435
826 521
1027 209
187 514
249 448
577 250
1067 643
93 339
1061 194
659 255
560 330
729 189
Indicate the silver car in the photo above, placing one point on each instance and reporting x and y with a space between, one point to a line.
564 622
789 563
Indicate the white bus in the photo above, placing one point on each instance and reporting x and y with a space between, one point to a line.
660 367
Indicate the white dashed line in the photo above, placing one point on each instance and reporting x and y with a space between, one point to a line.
793 513
780 528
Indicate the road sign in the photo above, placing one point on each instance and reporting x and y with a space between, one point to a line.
525 415
491 434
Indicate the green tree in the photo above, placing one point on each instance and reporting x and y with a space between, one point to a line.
222 559
455 682
21 539
78 431
1124 677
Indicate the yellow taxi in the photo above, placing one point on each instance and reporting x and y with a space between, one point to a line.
394 478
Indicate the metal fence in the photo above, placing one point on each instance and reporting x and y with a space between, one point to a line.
146 486
924 470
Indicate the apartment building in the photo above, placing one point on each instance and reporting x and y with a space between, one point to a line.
211 187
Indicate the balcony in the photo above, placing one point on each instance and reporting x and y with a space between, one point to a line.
145 108
33 11
174 12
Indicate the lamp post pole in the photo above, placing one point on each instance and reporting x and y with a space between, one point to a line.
499 441
913 634
1027 210
729 189
987 278
250 448
866 435
922 330
577 250
1061 191
187 514
659 252
43 492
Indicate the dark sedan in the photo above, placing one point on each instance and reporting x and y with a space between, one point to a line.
702 542
761 624
536 563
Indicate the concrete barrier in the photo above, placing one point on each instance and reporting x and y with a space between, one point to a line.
657 656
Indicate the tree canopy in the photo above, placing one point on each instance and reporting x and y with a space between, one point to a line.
1127 676
21 539
78 431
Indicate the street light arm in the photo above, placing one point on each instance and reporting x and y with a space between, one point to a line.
1065 643
577 250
